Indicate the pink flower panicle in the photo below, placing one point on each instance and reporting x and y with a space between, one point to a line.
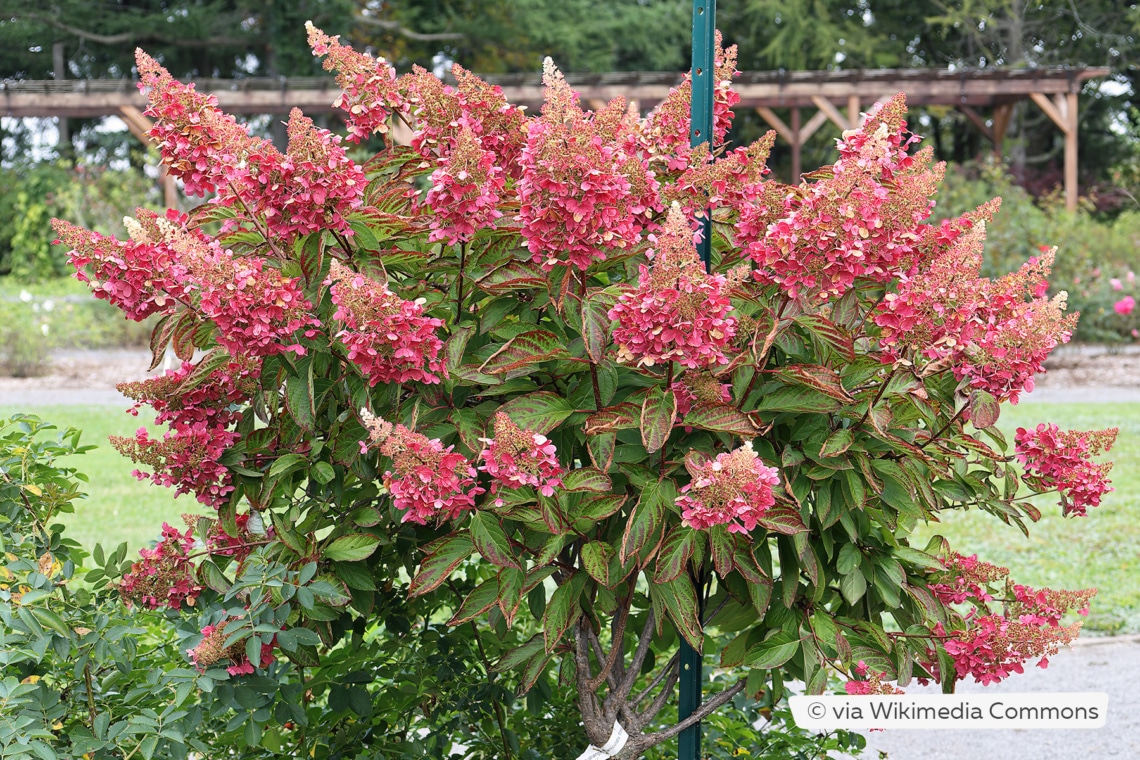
1062 461
427 481
735 179
735 489
388 338
369 94
584 189
199 144
164 576
185 459
870 682
858 223
966 578
133 275
212 649
311 187
699 388
256 309
664 134
992 647
234 382
465 191
677 312
985 330
515 458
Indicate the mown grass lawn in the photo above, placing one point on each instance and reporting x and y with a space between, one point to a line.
1101 550
118 507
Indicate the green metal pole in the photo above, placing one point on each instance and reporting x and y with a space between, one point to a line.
700 131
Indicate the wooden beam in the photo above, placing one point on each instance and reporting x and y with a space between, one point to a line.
1003 112
818 119
139 125
776 123
825 107
797 163
1050 110
976 119
854 117
596 104
1072 191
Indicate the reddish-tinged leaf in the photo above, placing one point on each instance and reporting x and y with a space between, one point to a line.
823 379
523 350
722 548
514 275
657 414
781 519
511 582
477 602
645 520
680 600
443 556
621 417
596 556
562 611
602 447
491 541
541 412
587 479
984 410
830 334
595 329
676 550
837 443
455 346
721 418
160 339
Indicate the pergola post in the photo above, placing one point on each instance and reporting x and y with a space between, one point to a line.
1003 112
1062 111
797 156
139 125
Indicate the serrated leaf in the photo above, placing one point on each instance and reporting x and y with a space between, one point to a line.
853 586
984 410
481 599
772 652
837 443
782 519
676 550
455 346
602 447
523 350
443 556
657 414
587 479
721 418
491 541
595 329
562 610
541 412
680 600
797 399
644 521
624 416
828 333
821 378
212 576
352 548
596 556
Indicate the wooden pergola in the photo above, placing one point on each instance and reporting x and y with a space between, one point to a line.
835 96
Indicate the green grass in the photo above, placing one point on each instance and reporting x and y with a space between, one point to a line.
118 507
1101 550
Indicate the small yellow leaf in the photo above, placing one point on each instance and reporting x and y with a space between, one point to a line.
31 679
33 489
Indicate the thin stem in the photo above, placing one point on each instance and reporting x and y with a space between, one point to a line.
878 395
264 231
668 388
459 284
593 367
945 427
344 245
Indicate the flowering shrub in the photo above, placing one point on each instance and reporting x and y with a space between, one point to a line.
517 397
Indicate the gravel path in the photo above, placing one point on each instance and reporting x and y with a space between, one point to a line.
1109 665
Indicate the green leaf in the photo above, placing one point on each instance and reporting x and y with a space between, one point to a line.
676 550
645 519
491 540
213 577
798 400
680 599
356 574
720 418
286 464
595 329
587 479
596 556
657 414
455 346
562 610
443 556
524 350
773 651
782 519
602 447
837 443
541 412
322 472
481 599
299 396
828 333
50 620
853 585
352 548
